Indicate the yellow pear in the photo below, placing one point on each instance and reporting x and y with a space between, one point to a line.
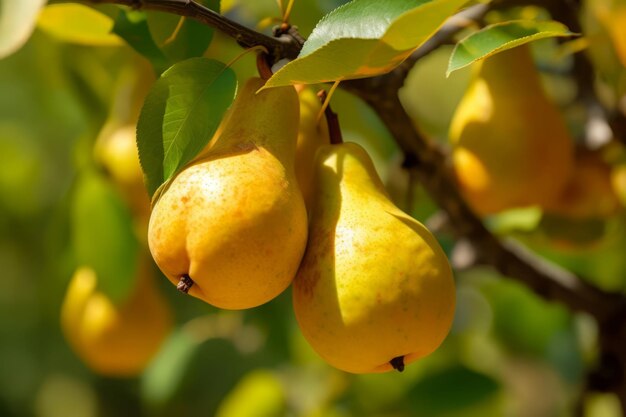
375 291
231 228
614 20
312 133
618 181
511 147
115 340
589 193
116 151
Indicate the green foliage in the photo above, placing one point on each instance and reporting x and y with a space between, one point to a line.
79 24
180 115
431 396
500 37
102 235
181 37
386 33
161 380
258 394
133 27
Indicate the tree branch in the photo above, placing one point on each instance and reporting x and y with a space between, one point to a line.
284 46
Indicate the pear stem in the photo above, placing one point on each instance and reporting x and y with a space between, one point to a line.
265 72
185 284
398 363
334 131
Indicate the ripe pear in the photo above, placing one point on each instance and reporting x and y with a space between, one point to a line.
116 151
589 192
312 133
618 182
115 340
615 22
375 290
511 147
231 228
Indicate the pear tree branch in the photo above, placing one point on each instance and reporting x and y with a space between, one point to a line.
284 46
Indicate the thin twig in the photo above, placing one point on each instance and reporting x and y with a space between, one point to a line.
284 46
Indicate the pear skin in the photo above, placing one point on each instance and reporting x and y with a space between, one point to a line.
312 133
234 222
116 151
615 23
618 182
375 291
589 193
511 147
115 340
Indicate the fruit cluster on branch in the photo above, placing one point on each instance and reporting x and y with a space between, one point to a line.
431 165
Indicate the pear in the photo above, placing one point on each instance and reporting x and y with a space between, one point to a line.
614 21
375 291
231 228
116 151
618 182
115 340
511 147
589 192
312 133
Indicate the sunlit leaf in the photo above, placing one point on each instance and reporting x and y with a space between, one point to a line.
133 28
500 37
76 23
102 235
181 114
258 394
17 21
364 38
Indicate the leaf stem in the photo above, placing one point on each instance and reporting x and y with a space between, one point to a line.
334 131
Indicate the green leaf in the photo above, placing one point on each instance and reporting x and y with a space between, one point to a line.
77 23
180 37
164 375
500 37
102 235
132 26
17 21
259 393
180 115
523 322
364 38
433 394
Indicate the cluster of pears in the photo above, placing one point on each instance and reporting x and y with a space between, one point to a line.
511 147
372 288
118 338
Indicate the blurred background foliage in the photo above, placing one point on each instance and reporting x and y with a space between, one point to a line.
509 352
